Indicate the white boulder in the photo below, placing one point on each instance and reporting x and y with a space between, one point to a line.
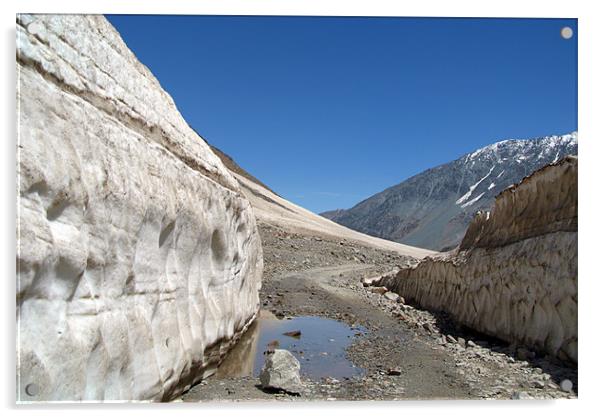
281 372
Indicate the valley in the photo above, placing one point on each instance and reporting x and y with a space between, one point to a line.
311 275
152 267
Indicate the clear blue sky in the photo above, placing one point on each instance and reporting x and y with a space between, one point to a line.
328 111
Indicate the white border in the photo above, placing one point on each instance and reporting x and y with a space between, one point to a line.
590 68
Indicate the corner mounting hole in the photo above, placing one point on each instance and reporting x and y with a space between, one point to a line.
32 389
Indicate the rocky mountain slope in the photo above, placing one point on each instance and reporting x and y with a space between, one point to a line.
272 210
138 258
515 274
433 209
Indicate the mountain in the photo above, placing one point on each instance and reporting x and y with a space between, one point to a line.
433 209
273 210
515 276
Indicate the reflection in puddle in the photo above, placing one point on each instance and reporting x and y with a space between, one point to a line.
320 347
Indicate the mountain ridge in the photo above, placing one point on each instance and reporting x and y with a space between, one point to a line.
432 209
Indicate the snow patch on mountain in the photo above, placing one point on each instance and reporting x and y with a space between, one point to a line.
470 202
471 189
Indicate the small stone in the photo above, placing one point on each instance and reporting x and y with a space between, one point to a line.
392 296
471 344
381 290
462 342
539 384
401 300
451 339
428 327
395 371
369 281
520 396
566 385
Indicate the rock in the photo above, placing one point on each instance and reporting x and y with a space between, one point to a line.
429 328
396 371
138 251
461 342
369 281
520 396
539 384
294 334
391 296
451 339
379 290
401 300
281 372
566 385
471 344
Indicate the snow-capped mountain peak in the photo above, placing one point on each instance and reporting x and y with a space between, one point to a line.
432 209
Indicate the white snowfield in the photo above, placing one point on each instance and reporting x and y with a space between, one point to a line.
551 142
471 189
139 261
274 210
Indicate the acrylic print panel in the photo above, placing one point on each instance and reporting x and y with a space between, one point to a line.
288 208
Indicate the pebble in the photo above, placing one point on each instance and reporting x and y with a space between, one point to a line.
451 339
381 290
539 384
396 371
520 396
392 296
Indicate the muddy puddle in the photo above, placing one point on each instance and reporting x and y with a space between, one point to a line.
319 347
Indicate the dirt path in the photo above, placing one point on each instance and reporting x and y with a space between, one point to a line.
334 292
314 276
